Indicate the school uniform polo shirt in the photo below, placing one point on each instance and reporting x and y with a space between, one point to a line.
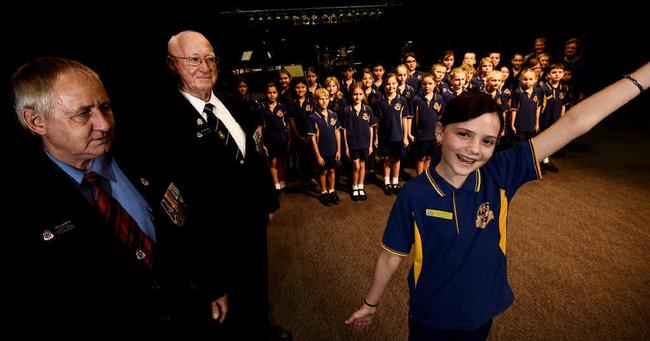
390 118
554 99
425 116
358 126
325 130
458 280
275 127
526 107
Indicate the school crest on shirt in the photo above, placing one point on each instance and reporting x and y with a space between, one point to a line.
535 99
484 215
561 95
308 107
398 106
507 91
436 106
332 121
365 116
280 113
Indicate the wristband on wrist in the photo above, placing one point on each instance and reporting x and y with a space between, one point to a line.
634 81
368 304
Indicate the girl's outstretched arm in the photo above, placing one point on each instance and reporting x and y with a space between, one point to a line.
586 114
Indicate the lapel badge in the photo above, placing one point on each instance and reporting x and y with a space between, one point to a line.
484 215
199 135
221 135
199 121
144 181
47 235
140 255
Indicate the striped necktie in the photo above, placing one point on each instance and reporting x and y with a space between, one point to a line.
125 228
222 132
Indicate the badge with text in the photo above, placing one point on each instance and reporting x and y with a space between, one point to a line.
50 233
174 205
484 215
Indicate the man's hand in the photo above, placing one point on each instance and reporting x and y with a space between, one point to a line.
220 308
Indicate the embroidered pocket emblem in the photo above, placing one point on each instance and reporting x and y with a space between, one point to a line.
484 215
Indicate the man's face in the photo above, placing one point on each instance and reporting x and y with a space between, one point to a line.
80 123
199 79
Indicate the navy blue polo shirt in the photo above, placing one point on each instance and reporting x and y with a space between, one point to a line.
415 79
337 105
409 91
325 130
275 127
301 112
357 126
425 116
554 99
390 116
374 98
526 107
458 280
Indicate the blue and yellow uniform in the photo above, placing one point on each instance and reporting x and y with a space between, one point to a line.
391 130
459 280
324 128
526 107
276 134
555 97
423 127
357 126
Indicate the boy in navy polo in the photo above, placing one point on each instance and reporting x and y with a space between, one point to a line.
554 105
325 137
455 214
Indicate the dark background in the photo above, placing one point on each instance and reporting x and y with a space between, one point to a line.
127 45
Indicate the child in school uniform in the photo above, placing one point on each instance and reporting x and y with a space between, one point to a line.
393 114
454 215
485 66
275 135
325 138
554 105
439 71
525 106
373 98
312 80
426 109
358 121
284 92
299 111
414 76
403 88
457 79
378 76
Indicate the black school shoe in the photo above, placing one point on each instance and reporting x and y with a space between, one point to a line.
388 190
325 199
355 195
334 198
396 188
362 194
551 167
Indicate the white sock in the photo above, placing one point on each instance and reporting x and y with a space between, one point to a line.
360 186
277 186
282 184
355 187
387 180
331 191
323 192
395 181
546 160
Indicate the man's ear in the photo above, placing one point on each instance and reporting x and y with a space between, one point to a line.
171 64
34 121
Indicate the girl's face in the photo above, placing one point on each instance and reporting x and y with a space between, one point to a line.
242 88
271 94
311 78
332 88
496 58
469 58
448 61
428 84
401 75
458 80
284 80
528 80
411 63
466 146
366 80
440 73
391 86
301 90
505 72
486 67
357 95
493 83
544 61
517 60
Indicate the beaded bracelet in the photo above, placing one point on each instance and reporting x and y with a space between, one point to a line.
636 82
368 304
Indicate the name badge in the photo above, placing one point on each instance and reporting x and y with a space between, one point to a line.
50 233
174 205
440 214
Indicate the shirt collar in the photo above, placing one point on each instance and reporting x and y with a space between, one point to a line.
101 165
442 187
198 103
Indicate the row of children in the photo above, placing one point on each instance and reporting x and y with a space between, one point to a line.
391 112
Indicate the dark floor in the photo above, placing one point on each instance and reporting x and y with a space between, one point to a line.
578 255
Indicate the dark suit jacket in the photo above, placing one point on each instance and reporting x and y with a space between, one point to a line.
66 265
228 203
